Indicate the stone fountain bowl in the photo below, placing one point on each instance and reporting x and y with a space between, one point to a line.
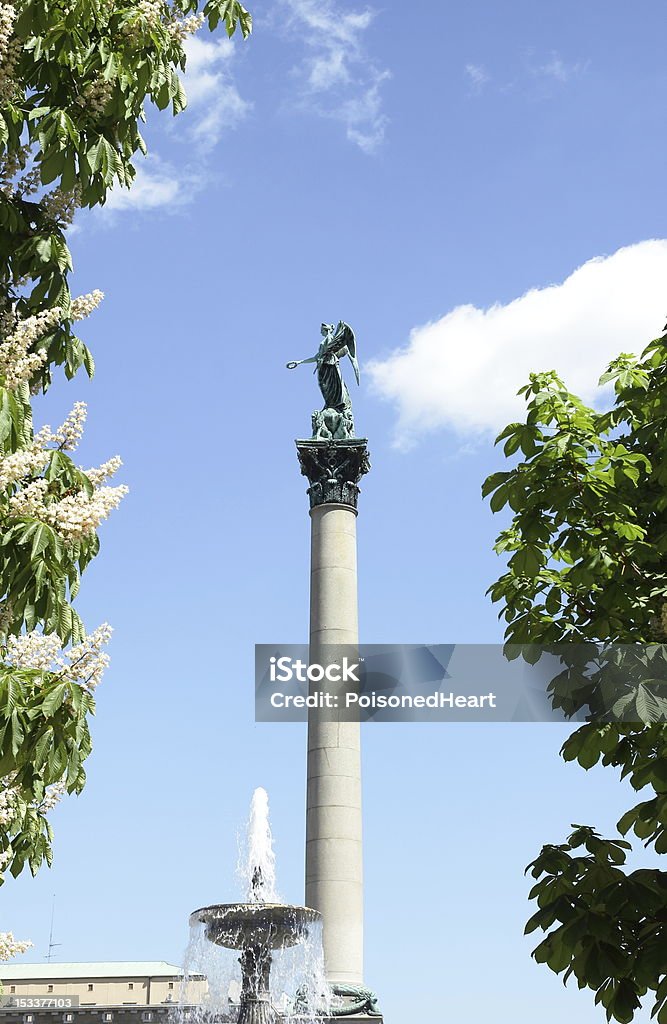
239 925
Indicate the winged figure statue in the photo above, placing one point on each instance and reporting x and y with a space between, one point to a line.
334 421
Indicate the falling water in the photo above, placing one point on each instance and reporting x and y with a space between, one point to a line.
298 986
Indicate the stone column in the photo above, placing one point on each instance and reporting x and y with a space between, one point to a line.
334 870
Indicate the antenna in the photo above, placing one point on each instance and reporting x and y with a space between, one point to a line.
52 944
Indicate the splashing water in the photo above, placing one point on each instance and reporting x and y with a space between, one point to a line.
299 989
298 984
257 866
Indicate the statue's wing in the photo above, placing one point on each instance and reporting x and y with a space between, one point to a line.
345 339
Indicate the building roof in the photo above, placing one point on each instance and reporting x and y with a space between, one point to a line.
99 969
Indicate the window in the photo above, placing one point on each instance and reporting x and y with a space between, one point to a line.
29 1018
68 1018
131 985
107 1017
147 1017
171 984
12 988
50 988
90 988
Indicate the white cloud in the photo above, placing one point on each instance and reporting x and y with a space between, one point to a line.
535 74
478 76
214 102
558 69
339 80
462 371
155 186
326 72
362 115
214 105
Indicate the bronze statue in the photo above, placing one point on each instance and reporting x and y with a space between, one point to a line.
334 421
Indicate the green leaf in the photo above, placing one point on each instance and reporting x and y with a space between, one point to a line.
499 498
41 538
492 482
528 560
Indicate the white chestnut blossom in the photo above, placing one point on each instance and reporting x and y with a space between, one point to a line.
52 796
148 14
29 500
10 808
34 650
180 28
68 435
13 162
29 461
75 515
150 10
17 363
7 19
11 947
8 797
83 664
19 360
78 515
95 96
21 464
10 49
97 475
20 175
60 205
84 305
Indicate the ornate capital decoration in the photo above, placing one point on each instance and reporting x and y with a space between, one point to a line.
334 469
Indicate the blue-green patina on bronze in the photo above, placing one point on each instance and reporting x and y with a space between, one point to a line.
334 422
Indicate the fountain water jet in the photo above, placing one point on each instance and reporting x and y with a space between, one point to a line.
258 866
260 926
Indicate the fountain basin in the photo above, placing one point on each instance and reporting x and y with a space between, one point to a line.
271 925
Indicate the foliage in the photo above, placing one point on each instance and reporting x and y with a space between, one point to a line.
75 78
611 929
81 72
586 550
38 758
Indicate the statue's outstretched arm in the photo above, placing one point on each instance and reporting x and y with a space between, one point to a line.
299 362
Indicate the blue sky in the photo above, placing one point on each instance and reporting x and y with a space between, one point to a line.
395 167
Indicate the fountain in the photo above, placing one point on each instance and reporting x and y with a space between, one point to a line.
260 926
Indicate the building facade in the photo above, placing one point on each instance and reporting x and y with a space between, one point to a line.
132 992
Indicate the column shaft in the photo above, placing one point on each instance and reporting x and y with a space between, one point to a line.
334 874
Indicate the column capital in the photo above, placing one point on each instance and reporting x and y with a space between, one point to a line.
334 469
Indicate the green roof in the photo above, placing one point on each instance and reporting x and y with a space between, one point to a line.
98 969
